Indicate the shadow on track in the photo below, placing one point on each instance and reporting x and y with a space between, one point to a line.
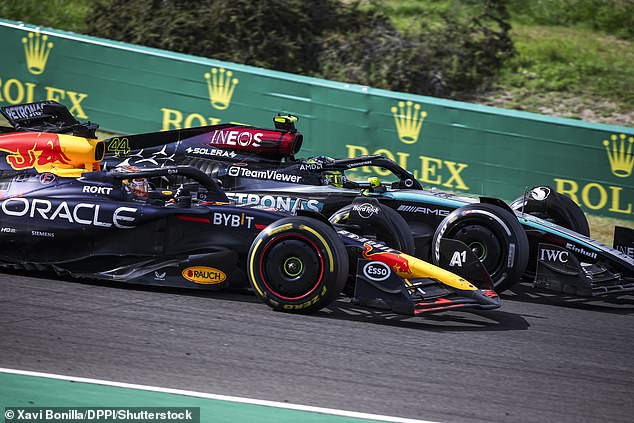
342 309
616 304
448 321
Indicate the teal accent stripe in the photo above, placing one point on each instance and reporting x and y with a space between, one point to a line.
559 232
416 198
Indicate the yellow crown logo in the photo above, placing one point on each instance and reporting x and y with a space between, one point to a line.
220 87
36 50
620 155
408 121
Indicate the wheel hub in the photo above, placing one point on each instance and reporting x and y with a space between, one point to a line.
479 249
293 267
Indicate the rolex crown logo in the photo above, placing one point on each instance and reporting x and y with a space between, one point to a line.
620 154
221 86
409 120
36 50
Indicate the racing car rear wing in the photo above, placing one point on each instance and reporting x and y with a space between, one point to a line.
44 116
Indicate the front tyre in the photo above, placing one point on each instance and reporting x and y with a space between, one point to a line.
297 264
494 235
393 232
552 206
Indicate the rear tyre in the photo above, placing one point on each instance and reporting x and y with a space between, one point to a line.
548 204
396 234
298 265
494 235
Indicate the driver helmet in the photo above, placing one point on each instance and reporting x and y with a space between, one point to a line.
139 187
336 178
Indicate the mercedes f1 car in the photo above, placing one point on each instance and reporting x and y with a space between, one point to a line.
543 235
60 212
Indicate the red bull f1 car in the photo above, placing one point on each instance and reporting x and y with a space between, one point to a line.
60 212
542 236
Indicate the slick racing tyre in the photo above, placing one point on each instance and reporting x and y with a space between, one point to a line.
548 204
396 234
493 234
297 264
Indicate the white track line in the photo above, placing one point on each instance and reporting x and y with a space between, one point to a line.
265 403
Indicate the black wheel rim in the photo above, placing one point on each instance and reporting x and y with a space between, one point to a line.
487 244
291 267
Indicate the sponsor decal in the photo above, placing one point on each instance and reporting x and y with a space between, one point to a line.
580 250
596 196
409 120
307 303
458 258
43 234
358 164
159 276
396 261
619 151
25 111
375 245
236 138
215 152
431 171
272 175
93 189
204 275
311 166
220 85
37 49
175 119
554 255
27 151
376 271
365 210
7 230
47 178
232 220
423 210
540 193
81 213
628 251
276 202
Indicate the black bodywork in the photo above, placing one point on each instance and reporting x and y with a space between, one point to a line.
257 166
60 212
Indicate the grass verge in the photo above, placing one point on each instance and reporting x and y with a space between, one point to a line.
602 228
570 72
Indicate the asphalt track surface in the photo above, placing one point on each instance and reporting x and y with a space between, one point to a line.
538 358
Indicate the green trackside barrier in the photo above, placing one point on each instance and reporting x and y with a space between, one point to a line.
447 144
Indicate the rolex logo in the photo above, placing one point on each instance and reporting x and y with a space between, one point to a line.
221 86
409 119
36 50
620 154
